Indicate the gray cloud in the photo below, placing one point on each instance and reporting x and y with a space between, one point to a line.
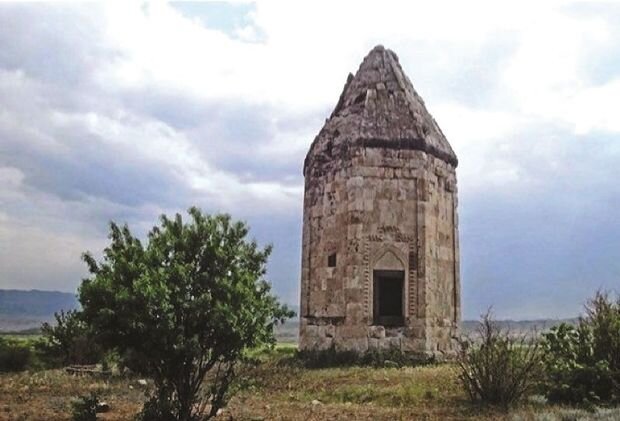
58 45
533 245
73 180
232 133
542 245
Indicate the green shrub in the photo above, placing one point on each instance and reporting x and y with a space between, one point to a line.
68 341
84 408
182 308
498 368
15 355
582 362
159 407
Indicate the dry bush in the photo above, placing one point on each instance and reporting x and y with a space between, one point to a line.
499 368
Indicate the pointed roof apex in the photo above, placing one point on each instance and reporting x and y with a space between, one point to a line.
380 49
377 48
379 106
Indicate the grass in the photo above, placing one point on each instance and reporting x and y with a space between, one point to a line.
25 339
47 395
278 390
288 392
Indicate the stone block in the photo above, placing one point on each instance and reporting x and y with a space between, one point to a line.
415 332
335 310
377 332
373 343
355 313
316 343
368 172
327 331
355 182
353 282
309 331
353 296
413 345
390 344
355 205
350 331
355 344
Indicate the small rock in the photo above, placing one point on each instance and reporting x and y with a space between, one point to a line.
390 364
316 402
103 407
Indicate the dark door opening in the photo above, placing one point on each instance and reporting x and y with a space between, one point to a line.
388 297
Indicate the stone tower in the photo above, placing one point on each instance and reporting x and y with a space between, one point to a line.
380 253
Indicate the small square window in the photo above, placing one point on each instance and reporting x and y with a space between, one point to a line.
331 260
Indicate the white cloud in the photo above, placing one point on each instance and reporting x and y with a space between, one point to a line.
125 110
546 74
32 255
309 48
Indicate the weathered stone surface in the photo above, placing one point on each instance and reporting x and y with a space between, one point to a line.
380 195
376 332
351 344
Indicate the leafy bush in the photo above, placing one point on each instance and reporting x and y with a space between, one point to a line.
583 362
69 341
498 368
84 408
15 355
182 309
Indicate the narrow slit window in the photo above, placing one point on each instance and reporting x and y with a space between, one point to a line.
331 260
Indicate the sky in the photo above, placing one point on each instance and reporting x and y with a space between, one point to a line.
124 111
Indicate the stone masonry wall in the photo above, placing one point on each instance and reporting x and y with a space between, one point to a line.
380 208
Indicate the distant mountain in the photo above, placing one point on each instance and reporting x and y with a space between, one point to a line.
517 326
15 302
20 309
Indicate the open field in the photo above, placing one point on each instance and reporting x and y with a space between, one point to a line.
274 390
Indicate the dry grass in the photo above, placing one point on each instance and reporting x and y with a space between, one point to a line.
47 395
269 392
286 393
276 391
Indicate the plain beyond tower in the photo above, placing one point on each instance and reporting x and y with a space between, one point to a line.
380 251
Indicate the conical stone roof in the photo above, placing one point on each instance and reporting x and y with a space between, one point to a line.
379 108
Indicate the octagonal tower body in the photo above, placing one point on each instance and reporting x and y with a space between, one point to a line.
380 253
